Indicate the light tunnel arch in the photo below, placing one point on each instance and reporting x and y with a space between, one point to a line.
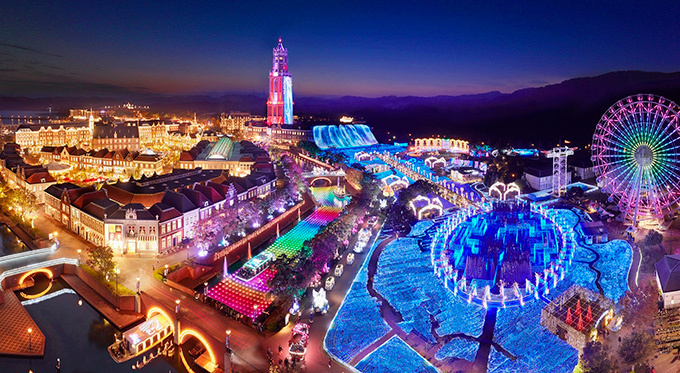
190 332
46 271
183 334
156 310
321 178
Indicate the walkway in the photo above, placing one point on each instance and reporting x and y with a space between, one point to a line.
244 341
14 336
317 358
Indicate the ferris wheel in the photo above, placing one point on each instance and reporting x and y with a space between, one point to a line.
636 157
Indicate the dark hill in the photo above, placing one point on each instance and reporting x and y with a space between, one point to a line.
542 115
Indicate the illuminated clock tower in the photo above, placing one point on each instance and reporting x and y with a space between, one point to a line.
280 103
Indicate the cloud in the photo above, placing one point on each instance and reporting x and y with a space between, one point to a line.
23 48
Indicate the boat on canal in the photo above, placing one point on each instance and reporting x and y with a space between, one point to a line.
140 339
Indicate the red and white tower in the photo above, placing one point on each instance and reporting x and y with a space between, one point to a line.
280 103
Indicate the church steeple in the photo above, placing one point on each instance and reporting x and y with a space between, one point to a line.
280 62
280 103
91 121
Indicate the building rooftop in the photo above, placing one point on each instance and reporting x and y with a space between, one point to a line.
668 272
119 131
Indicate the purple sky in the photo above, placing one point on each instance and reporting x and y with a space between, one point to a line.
364 48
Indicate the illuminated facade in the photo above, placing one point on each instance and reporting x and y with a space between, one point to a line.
459 146
280 103
276 134
234 122
118 161
35 136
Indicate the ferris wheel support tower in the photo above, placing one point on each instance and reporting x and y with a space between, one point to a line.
559 180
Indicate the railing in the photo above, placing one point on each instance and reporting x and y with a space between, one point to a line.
224 252
31 267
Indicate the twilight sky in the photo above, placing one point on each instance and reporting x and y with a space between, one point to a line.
364 48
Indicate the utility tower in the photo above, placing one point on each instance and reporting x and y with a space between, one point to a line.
559 181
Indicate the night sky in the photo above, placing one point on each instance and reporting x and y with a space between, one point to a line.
364 48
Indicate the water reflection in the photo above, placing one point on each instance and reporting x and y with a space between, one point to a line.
78 336
101 333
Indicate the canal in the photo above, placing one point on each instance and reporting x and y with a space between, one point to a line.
76 334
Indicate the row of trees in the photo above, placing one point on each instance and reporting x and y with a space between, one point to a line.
246 216
634 350
20 205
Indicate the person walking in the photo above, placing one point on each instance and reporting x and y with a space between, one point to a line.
280 350
330 362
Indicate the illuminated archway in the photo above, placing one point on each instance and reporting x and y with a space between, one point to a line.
156 310
46 271
311 183
190 332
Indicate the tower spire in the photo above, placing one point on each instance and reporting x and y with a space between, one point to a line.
280 102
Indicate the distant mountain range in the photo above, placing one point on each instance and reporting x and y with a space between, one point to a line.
568 110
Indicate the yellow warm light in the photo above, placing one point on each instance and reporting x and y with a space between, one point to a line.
32 272
191 332
155 310
33 296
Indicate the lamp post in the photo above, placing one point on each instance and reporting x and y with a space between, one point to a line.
79 251
30 344
138 283
205 288
177 307
165 272
117 271
227 354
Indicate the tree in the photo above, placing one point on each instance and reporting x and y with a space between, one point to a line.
595 359
309 146
639 305
636 347
574 193
101 259
653 238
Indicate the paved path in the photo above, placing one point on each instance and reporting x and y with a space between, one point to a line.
317 359
245 341
14 338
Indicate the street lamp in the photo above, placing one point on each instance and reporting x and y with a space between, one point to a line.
205 288
138 283
79 251
177 306
30 345
117 271
227 340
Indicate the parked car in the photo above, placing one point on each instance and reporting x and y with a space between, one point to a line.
338 270
330 283
350 259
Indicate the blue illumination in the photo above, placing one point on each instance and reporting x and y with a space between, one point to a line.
347 136
288 99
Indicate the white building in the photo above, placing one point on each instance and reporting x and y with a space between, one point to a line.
668 279
540 178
